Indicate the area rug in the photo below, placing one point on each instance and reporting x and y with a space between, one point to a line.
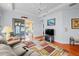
47 49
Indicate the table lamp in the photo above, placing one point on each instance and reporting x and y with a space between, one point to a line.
6 30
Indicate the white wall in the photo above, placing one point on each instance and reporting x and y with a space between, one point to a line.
67 16
58 27
38 27
7 20
63 21
63 29
1 16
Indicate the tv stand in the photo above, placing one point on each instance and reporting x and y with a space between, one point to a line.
49 38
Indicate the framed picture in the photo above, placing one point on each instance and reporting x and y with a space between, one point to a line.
75 23
51 22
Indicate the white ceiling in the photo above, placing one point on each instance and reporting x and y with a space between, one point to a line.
32 8
36 8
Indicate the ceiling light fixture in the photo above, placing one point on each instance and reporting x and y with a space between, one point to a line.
13 6
39 9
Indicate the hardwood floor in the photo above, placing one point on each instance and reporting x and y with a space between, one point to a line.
73 49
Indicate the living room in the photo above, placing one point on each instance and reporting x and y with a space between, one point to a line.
40 15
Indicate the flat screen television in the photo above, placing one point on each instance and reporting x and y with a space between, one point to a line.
49 31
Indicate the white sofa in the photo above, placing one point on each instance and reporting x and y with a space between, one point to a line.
74 39
6 50
16 50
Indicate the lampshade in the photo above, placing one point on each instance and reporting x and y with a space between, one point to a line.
7 29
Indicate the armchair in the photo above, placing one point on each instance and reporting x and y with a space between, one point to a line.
74 39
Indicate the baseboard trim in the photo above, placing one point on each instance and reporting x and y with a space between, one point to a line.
38 36
42 37
61 42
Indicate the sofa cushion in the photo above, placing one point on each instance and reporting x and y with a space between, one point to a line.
18 49
7 53
31 53
28 53
6 50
